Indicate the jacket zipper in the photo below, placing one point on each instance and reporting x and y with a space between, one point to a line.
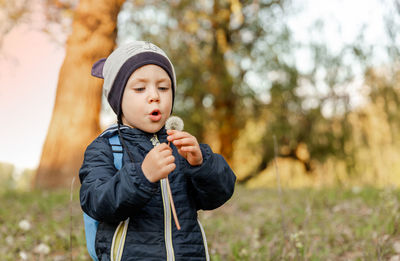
167 211
203 234
119 240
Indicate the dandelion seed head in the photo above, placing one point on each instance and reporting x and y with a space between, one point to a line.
23 255
42 249
395 258
174 123
396 247
9 240
24 225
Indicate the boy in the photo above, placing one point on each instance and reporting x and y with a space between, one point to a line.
140 84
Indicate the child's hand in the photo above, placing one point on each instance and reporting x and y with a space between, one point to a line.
158 163
187 146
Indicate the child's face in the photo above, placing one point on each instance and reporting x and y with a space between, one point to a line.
147 99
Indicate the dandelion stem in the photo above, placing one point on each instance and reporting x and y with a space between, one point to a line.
172 203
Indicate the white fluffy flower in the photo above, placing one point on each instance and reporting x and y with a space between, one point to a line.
9 240
42 249
396 247
23 255
174 123
24 225
395 258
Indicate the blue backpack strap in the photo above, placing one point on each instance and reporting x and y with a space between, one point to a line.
117 150
90 223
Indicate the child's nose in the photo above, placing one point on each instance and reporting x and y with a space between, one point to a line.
154 96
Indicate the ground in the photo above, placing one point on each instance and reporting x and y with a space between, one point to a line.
304 224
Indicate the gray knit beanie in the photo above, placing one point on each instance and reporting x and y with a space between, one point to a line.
122 62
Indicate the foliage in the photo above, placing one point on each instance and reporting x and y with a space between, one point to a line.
215 46
32 222
308 110
240 65
328 224
241 81
369 154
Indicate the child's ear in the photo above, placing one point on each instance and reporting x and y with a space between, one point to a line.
97 68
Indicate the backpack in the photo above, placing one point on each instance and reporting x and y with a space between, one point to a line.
92 224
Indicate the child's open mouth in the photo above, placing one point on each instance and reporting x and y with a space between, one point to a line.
155 115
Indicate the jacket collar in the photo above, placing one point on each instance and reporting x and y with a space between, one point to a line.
137 135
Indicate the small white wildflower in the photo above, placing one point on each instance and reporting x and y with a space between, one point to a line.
294 236
23 255
243 252
42 249
299 244
213 251
395 258
9 240
24 225
396 247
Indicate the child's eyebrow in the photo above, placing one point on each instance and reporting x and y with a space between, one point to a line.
139 79
147 80
163 80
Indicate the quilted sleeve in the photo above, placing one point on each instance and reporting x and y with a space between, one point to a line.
107 194
213 182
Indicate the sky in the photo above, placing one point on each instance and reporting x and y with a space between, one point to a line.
30 61
29 68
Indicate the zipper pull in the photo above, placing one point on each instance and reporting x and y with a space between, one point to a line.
154 140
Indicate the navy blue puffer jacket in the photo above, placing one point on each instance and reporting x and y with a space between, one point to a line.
111 196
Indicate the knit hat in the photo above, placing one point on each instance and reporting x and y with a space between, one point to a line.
122 62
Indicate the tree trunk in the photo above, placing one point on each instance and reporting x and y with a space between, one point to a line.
75 119
225 103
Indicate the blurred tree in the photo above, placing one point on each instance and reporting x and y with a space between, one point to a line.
237 61
308 110
59 16
382 81
75 119
12 13
213 45
385 93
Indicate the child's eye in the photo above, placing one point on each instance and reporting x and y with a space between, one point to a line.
140 89
163 88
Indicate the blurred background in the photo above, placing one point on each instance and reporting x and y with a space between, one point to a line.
320 77
298 94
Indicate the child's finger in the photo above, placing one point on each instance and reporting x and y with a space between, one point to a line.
167 160
170 132
176 133
165 154
169 168
163 147
180 135
189 148
184 141
170 160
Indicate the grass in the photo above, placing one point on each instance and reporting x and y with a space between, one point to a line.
325 224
